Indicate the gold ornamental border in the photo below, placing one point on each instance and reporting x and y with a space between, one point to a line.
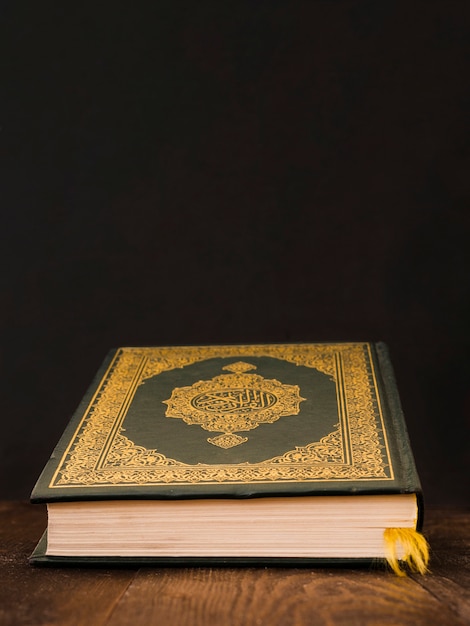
99 454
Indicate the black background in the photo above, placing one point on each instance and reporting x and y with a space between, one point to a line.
212 172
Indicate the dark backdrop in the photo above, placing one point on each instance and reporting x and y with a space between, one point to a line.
209 172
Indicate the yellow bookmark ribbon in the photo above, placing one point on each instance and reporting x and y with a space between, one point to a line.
406 549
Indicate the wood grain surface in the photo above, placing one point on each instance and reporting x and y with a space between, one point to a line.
232 596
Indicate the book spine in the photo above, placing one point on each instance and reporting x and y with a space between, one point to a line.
409 475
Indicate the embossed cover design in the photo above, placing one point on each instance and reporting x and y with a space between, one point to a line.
235 420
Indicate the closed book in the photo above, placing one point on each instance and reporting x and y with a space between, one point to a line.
278 453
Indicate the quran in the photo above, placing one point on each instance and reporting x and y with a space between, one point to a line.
247 454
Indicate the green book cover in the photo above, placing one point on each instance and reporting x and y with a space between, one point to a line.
235 421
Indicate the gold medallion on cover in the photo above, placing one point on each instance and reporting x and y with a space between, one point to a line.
233 402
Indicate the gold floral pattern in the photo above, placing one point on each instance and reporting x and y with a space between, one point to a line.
99 453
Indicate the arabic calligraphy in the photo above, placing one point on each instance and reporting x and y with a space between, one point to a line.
237 401
234 400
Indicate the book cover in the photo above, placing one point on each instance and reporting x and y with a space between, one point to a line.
235 421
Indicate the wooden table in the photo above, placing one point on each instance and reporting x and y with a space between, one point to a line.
231 596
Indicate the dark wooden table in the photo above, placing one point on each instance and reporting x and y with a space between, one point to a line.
231 596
